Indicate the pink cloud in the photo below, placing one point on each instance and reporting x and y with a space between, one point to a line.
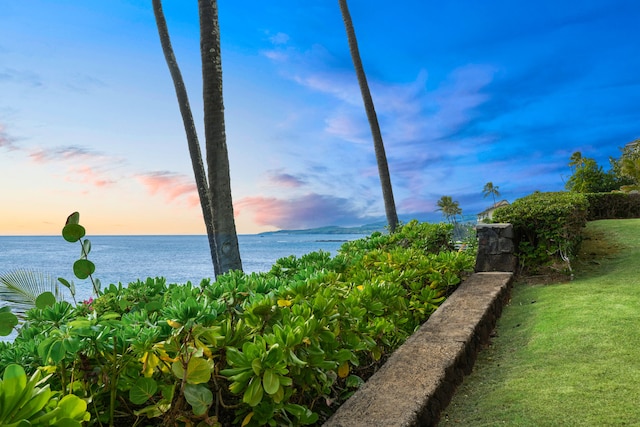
89 175
172 185
309 211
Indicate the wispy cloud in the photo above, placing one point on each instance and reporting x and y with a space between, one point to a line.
173 186
280 178
92 176
23 77
279 38
421 124
309 211
65 153
7 142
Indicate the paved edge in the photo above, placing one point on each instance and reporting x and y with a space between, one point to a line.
418 381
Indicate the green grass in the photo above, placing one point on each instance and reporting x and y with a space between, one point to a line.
565 354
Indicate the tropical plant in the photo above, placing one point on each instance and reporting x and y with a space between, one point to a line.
25 403
24 289
378 144
491 190
576 160
214 190
83 268
548 226
449 208
630 167
284 347
589 177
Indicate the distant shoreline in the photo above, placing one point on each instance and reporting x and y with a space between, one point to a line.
364 229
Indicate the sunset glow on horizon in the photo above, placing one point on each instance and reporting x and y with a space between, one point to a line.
466 93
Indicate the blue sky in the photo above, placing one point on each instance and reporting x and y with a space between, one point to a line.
466 92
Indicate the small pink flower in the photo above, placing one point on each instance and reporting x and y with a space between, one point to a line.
88 303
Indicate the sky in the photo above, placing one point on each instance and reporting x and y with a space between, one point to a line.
467 92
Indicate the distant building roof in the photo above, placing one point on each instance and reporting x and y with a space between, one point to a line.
487 213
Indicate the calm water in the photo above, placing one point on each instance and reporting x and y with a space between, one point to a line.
177 258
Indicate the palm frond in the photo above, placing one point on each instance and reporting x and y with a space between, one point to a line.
19 288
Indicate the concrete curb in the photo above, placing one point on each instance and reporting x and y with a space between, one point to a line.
419 379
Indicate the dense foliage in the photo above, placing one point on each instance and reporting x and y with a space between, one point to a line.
613 205
623 174
547 226
284 347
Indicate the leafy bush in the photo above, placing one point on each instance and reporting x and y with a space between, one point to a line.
24 403
613 205
547 226
284 347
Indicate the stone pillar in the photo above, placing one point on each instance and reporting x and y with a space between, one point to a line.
495 248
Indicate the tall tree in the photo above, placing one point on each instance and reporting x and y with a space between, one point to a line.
630 168
589 177
215 190
449 208
381 157
490 189
576 160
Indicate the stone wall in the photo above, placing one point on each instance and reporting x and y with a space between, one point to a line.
495 248
418 381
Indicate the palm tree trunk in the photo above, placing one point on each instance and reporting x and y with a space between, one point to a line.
381 157
216 140
190 130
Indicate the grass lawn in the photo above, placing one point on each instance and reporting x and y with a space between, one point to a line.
565 354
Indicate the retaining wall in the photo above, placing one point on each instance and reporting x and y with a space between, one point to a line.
417 382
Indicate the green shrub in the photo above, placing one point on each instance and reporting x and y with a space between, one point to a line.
284 347
548 226
25 403
613 205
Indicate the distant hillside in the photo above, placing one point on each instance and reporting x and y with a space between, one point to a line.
364 229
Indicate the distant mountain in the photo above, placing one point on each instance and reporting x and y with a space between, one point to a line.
332 229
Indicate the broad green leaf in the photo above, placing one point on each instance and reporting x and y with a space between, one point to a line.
73 232
45 299
253 394
51 348
67 422
74 218
270 381
37 401
142 390
256 364
83 268
199 397
198 370
354 381
235 357
65 282
305 415
8 321
14 382
86 247
97 285
71 344
278 396
72 407
153 306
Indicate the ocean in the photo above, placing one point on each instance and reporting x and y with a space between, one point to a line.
179 259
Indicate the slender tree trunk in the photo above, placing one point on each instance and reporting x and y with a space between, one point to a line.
190 130
216 141
381 157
